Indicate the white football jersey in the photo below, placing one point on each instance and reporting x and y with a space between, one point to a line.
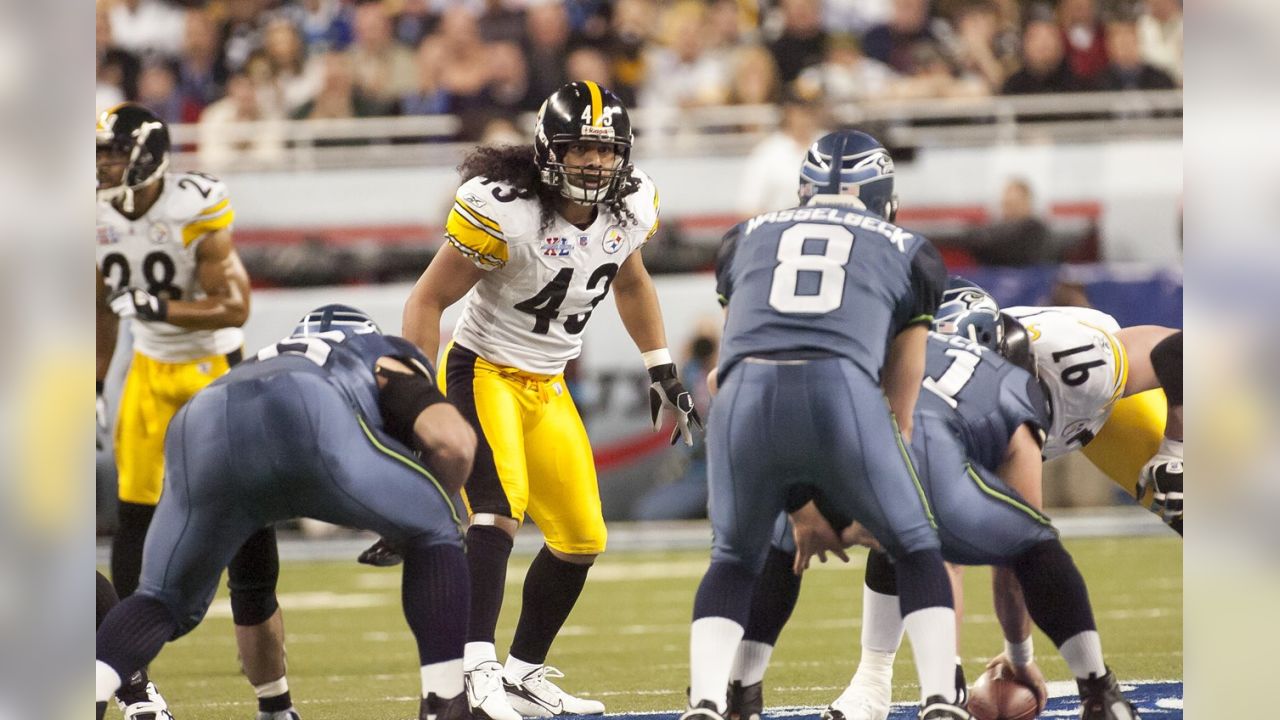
530 310
1083 366
157 253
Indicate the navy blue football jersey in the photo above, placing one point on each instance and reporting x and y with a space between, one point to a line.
982 397
826 279
347 359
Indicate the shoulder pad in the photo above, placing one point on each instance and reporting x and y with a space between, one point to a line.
644 203
200 202
485 216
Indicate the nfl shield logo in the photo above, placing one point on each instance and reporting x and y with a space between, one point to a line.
583 241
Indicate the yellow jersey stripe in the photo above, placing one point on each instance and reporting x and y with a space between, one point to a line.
477 223
482 259
653 230
216 208
204 226
655 198
596 102
478 215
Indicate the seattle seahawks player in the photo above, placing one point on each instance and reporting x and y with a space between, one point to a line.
323 424
827 311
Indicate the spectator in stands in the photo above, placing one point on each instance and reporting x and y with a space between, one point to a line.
725 28
1083 39
384 69
587 63
754 77
974 46
681 73
547 41
325 25
158 91
847 75
224 144
1044 66
241 31
768 177
429 96
297 78
339 97
1008 40
1018 238
935 77
145 27
1126 70
633 24
507 91
501 131
201 73
803 39
1160 36
855 17
413 21
118 69
465 66
895 42
502 20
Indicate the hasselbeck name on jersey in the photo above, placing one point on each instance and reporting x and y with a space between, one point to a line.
551 277
157 253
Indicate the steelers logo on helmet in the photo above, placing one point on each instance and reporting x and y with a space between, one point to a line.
582 143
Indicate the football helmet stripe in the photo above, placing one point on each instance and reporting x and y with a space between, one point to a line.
596 102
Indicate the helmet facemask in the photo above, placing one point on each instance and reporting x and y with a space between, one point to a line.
141 167
585 184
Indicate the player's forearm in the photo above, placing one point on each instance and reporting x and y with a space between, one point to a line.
641 315
421 324
903 373
1011 609
209 313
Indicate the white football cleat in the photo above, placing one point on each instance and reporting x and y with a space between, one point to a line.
866 698
536 696
153 708
485 695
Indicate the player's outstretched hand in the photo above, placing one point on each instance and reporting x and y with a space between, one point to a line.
858 534
1028 675
666 392
814 536
132 302
1162 476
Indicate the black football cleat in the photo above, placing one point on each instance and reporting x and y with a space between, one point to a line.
434 707
704 710
746 702
381 554
962 687
937 707
1102 699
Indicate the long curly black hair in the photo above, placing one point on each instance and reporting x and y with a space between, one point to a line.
514 166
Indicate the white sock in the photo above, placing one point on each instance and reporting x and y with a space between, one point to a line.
874 668
933 641
442 678
475 653
516 669
1083 653
275 688
713 642
751 662
881 622
108 682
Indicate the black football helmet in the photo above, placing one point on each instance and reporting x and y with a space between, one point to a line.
133 134
583 112
1015 344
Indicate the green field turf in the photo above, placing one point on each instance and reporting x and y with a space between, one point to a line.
351 654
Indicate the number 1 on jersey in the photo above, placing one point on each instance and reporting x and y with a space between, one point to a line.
811 283
955 377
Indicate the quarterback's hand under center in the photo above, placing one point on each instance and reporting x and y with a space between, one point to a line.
813 535
666 392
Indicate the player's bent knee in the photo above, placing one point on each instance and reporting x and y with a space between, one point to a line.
575 558
1166 360
252 577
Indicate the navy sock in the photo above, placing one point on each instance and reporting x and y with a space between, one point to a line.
126 548
725 592
1054 590
881 575
436 593
774 598
551 589
133 632
488 549
923 581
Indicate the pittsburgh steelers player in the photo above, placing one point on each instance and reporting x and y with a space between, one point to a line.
167 265
537 237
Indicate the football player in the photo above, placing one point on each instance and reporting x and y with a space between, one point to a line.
347 408
827 312
137 697
537 237
167 265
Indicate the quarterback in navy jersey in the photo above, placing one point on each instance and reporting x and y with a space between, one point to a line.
328 424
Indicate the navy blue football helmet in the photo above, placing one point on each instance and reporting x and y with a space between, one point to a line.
848 162
969 311
335 317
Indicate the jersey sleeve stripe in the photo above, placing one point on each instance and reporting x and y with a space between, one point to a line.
478 216
480 242
471 219
203 226
483 260
216 208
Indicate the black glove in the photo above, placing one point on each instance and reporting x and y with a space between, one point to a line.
1162 476
132 302
100 408
665 391
380 554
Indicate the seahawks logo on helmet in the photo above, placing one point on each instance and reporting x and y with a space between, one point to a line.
852 163
328 318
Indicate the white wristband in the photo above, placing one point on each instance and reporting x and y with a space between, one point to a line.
654 358
1170 447
1020 654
